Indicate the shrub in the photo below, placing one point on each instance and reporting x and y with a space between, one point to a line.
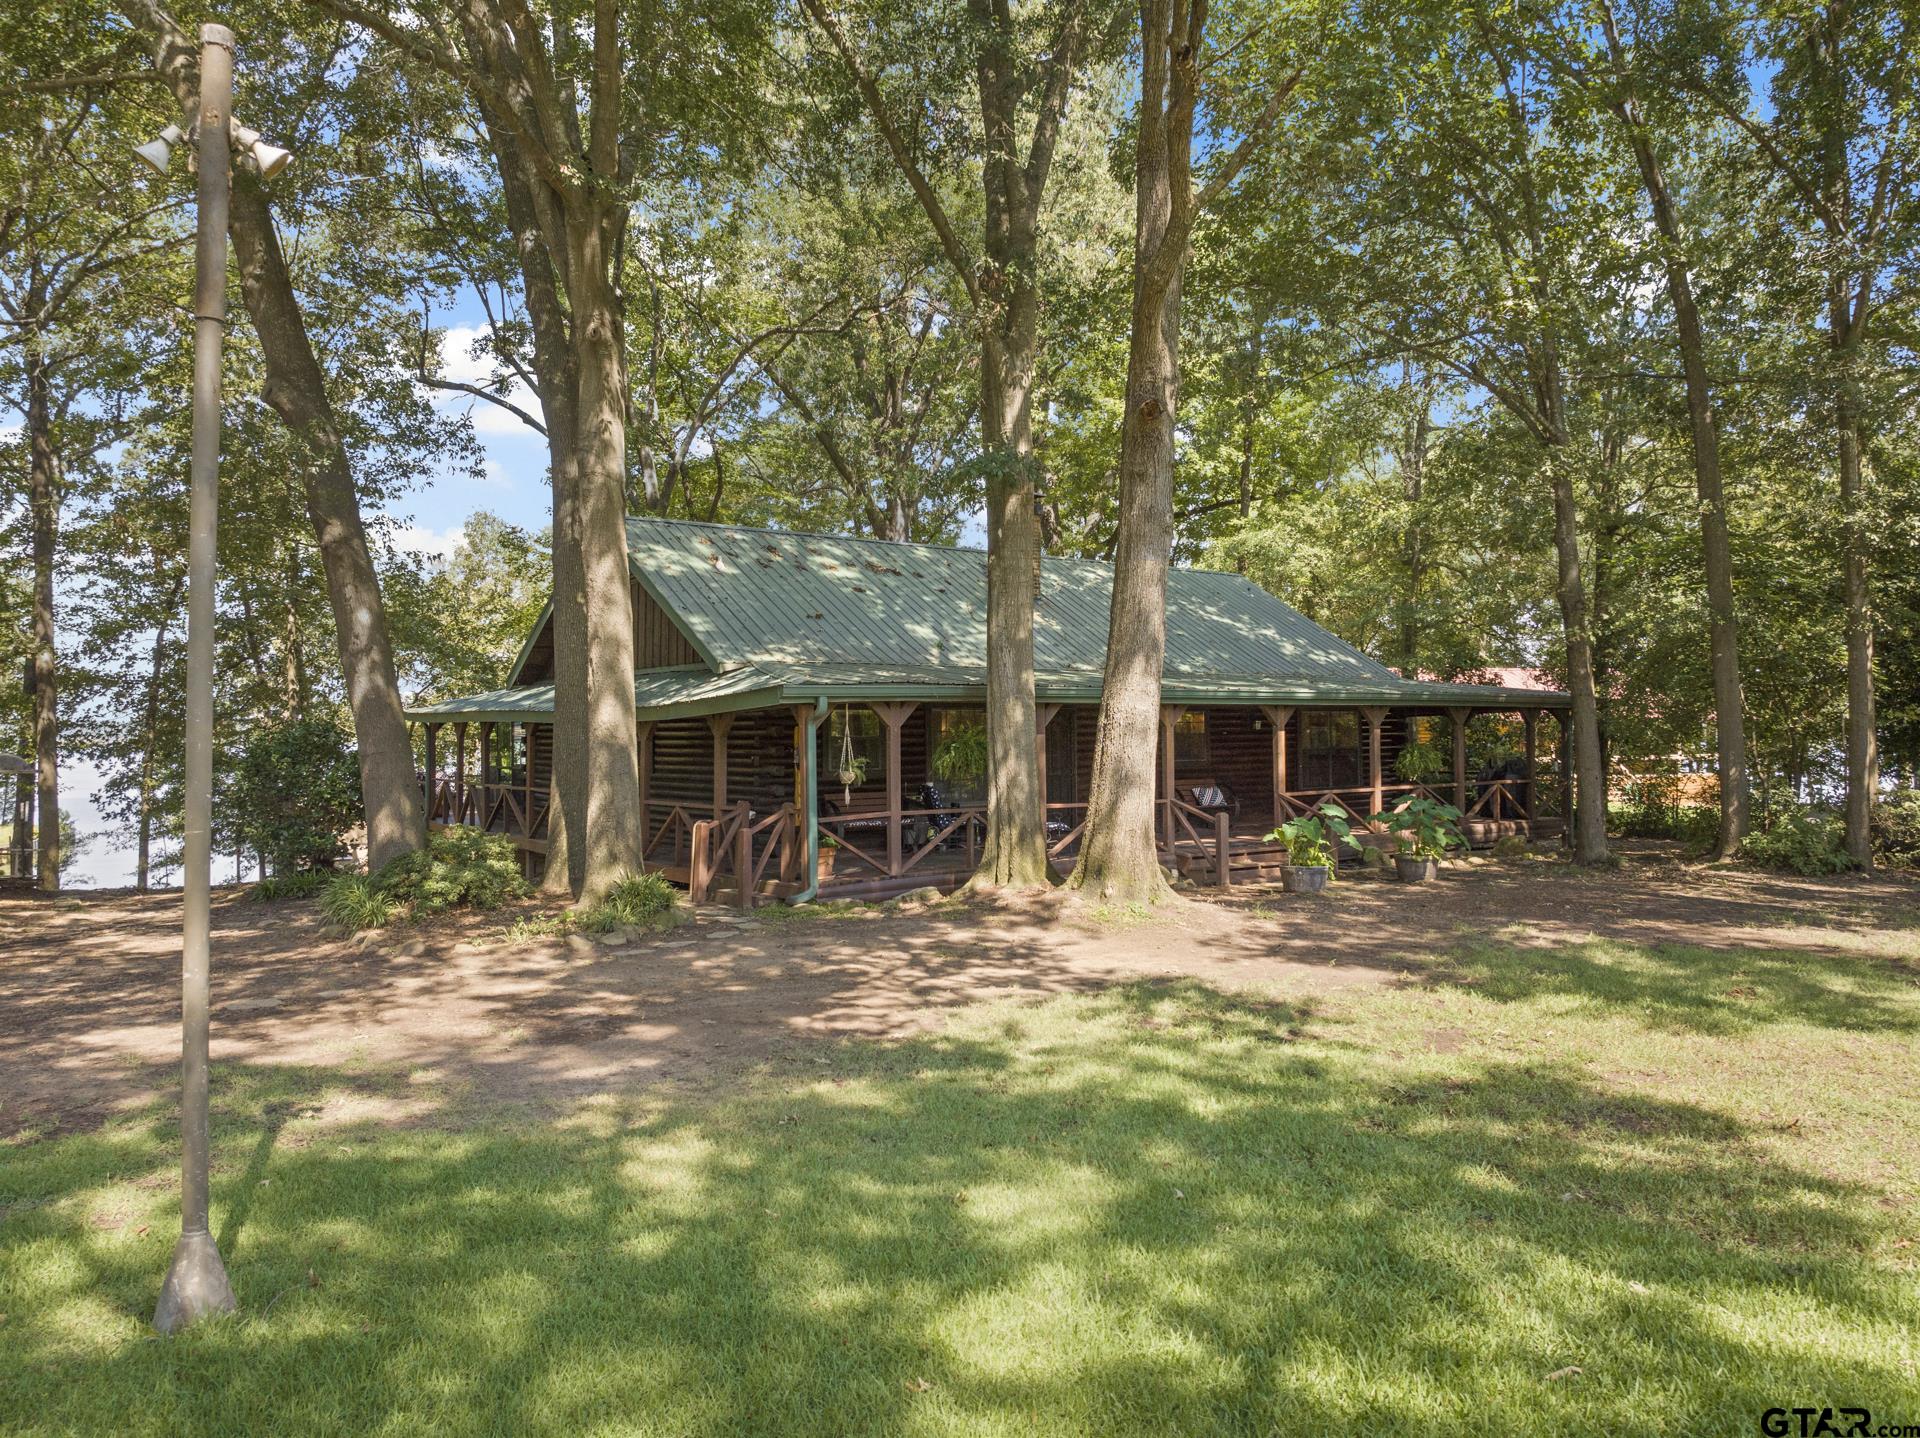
1896 830
634 901
1512 846
300 884
354 902
1419 762
1800 841
1692 824
461 868
295 793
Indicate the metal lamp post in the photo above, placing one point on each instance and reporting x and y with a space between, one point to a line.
196 1284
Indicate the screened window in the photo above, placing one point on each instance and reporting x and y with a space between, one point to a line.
1331 731
1191 751
943 727
858 732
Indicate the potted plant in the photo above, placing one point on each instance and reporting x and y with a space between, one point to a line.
961 757
829 852
1423 830
1312 842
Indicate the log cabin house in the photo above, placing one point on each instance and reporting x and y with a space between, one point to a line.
794 691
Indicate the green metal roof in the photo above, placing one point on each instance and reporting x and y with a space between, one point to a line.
785 617
756 596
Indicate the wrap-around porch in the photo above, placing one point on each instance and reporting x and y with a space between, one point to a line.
724 796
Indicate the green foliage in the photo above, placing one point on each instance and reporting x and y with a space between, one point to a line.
1692 824
461 868
1313 839
300 884
961 758
1422 828
1419 762
295 793
355 902
1896 830
1800 841
635 901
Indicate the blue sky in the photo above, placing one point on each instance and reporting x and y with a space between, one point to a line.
513 485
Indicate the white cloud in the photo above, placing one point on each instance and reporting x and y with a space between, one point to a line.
491 419
464 359
434 544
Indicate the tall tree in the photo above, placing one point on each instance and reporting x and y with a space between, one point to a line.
70 231
1838 151
1015 78
1625 100
1119 859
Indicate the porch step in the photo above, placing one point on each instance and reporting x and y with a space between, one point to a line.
1246 864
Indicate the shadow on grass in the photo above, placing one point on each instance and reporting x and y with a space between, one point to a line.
1685 987
1155 1210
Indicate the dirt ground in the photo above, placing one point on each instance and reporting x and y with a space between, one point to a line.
89 1007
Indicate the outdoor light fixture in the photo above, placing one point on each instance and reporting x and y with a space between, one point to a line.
158 153
269 160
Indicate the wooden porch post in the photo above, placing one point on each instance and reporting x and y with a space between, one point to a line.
720 725
1530 725
1279 716
1042 716
433 769
803 754
1375 717
644 732
483 769
894 716
460 773
1458 719
526 799
1566 780
1170 715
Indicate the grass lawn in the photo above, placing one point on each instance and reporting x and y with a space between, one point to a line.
1597 1187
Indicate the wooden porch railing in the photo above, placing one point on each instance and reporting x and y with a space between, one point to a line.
497 806
1180 817
1068 843
739 848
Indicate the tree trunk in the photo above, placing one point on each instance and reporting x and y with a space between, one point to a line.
1413 466
149 740
1724 641
612 811
1588 822
44 517
1863 745
1119 858
1014 854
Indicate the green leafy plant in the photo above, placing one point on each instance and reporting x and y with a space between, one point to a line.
355 902
1312 839
961 757
295 793
461 868
636 901
1419 762
1800 841
1422 828
300 884
1896 830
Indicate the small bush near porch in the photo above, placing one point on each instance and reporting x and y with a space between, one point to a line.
1540 1180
